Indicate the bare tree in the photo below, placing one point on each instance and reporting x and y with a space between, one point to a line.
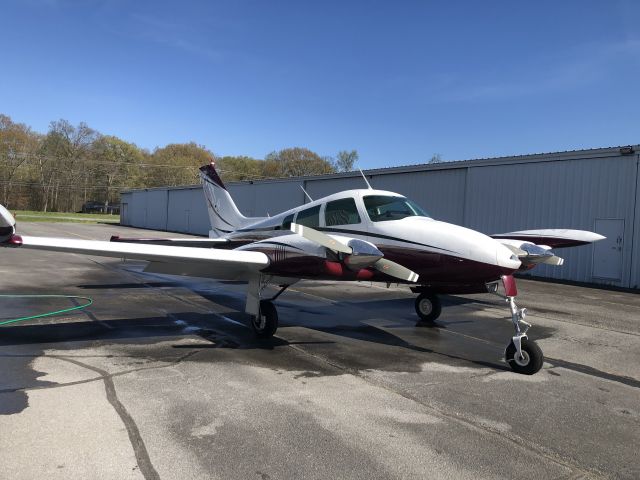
346 160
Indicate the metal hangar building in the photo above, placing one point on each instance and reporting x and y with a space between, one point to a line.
596 190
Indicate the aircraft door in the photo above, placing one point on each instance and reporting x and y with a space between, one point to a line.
607 253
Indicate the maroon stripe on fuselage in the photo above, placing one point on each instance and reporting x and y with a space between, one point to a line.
438 272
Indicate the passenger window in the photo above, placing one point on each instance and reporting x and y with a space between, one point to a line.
286 223
341 212
309 217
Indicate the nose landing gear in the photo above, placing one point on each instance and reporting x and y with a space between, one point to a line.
522 355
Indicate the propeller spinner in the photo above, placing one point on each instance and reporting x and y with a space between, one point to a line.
357 253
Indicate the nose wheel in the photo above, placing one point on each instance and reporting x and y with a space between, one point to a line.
523 355
528 361
428 307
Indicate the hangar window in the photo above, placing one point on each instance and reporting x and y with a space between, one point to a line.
309 217
381 208
286 223
341 212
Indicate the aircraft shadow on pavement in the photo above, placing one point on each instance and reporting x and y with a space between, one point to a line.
374 325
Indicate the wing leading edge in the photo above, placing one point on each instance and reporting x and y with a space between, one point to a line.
534 246
176 260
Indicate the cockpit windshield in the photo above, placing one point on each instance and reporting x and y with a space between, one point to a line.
381 208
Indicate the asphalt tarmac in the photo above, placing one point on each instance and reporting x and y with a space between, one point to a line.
161 378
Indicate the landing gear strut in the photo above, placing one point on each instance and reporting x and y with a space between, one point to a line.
428 307
264 316
522 355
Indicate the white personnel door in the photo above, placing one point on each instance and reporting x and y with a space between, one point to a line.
607 253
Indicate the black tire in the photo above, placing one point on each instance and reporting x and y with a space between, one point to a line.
532 361
428 307
266 323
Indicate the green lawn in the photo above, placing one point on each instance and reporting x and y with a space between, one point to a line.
31 216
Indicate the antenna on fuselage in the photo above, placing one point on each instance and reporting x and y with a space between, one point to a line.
365 179
305 192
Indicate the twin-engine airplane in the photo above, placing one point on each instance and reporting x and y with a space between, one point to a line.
366 234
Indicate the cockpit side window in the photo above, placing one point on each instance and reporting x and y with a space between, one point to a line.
309 217
341 212
286 223
381 208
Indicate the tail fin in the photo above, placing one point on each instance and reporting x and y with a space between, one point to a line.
223 213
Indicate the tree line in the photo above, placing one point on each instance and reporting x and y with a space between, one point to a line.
70 165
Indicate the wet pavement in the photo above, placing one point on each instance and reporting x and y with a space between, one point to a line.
162 378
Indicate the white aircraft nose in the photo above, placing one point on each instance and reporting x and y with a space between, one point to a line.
506 258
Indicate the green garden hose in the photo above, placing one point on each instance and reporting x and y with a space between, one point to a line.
48 314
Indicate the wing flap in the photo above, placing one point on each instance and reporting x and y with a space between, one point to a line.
175 242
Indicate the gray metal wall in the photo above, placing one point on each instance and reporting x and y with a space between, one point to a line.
565 190
181 209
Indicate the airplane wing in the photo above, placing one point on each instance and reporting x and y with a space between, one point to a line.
175 260
198 262
534 246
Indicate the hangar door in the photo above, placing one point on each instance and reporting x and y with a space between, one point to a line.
607 253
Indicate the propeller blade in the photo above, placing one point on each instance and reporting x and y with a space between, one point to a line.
554 260
395 270
320 238
518 251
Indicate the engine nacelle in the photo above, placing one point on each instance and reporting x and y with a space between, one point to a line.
364 254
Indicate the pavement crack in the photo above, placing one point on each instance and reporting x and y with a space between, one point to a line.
140 450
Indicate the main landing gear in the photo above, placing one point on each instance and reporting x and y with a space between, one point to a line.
264 316
428 307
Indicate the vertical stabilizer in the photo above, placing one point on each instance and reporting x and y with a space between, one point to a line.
223 213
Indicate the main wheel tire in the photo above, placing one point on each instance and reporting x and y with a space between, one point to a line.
532 357
428 307
265 323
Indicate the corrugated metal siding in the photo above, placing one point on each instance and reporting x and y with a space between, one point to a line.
319 188
125 211
260 199
439 192
188 211
139 213
157 204
567 194
634 281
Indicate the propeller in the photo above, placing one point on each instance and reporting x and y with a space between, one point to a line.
358 253
530 253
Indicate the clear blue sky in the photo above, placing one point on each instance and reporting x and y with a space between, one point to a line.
396 80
